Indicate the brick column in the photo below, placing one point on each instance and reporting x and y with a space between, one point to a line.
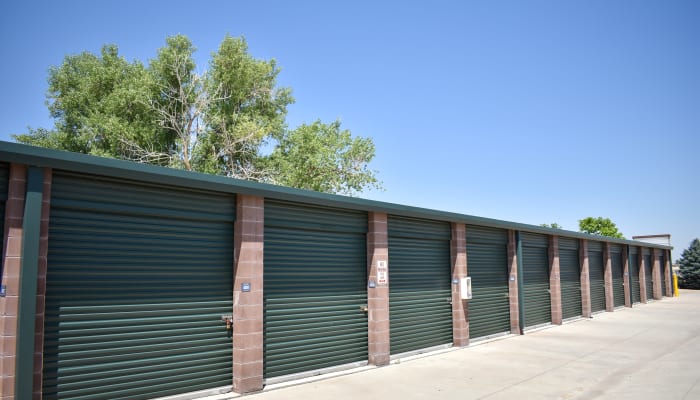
460 308
12 259
626 275
642 277
656 274
667 272
554 280
585 281
513 283
378 290
609 299
248 295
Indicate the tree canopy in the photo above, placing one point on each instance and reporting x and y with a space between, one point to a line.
553 225
229 120
599 226
689 263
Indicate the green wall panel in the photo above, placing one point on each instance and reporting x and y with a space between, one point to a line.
138 278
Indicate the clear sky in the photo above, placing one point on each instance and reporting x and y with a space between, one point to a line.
528 111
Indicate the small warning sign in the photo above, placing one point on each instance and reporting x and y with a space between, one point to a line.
382 273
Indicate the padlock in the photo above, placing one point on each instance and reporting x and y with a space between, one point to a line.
229 325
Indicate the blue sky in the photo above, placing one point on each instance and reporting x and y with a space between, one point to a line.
529 111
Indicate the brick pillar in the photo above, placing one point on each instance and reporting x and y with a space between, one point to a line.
378 290
667 272
554 280
585 281
460 308
642 277
248 295
609 299
41 285
626 276
656 274
513 283
12 259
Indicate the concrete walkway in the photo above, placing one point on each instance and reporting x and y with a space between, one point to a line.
649 352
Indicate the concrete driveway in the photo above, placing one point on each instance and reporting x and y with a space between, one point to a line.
649 352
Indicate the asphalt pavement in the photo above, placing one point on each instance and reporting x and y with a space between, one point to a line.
651 351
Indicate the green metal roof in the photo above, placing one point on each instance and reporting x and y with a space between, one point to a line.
41 157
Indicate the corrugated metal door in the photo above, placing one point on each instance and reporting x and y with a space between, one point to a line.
618 282
663 276
634 274
648 277
138 278
535 263
596 274
570 278
420 312
315 284
487 265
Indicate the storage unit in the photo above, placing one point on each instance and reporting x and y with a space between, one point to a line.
138 278
535 264
648 276
596 275
315 278
618 282
420 294
634 274
487 265
570 278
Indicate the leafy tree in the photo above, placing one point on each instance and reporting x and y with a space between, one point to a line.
307 156
689 275
553 225
166 113
599 226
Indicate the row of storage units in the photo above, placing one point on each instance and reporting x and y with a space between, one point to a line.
139 275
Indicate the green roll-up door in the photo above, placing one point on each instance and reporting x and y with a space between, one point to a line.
634 274
596 274
315 285
618 281
648 277
420 312
4 176
570 277
138 278
487 265
535 263
664 278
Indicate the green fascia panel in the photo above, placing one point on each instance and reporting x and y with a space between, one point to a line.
61 160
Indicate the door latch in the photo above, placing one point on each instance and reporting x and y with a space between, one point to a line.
228 320
364 308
